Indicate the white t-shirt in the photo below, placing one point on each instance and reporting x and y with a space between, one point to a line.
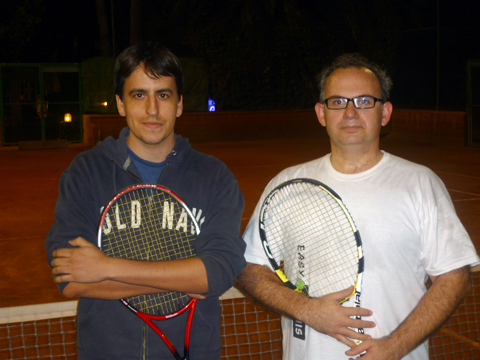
409 230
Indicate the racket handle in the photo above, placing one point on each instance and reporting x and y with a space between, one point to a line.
186 353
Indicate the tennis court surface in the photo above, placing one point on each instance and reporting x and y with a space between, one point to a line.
29 181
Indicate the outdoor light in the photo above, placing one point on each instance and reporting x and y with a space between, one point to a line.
105 104
67 117
211 104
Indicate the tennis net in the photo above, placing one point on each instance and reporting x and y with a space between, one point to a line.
47 331
248 331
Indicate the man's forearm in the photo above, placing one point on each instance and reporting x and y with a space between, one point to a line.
187 275
260 283
324 314
435 307
86 264
106 290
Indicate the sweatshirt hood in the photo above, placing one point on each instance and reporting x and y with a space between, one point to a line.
116 149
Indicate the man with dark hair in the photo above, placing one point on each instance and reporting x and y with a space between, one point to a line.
148 85
157 60
408 226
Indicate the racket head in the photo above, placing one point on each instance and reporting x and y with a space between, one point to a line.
310 238
149 222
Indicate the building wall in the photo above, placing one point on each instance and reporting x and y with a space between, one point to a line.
230 126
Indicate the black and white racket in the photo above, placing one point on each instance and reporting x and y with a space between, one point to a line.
311 240
150 222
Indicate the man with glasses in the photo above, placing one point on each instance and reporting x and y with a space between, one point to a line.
408 226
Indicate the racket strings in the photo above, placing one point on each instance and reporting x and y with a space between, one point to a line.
150 224
160 303
309 231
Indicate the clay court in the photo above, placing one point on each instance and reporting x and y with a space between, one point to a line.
29 181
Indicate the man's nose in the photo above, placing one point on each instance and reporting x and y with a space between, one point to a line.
152 106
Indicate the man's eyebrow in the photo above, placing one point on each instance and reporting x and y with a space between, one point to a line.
345 97
165 90
365 95
136 91
143 91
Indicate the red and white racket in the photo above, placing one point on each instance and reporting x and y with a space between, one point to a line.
150 222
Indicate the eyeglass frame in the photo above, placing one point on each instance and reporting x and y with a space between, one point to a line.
353 100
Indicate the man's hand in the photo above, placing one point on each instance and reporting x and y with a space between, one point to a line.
438 303
377 349
323 314
84 264
327 316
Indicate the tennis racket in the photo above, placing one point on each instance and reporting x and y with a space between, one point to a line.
311 240
150 222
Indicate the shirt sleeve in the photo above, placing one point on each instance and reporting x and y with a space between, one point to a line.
73 216
446 244
255 253
219 244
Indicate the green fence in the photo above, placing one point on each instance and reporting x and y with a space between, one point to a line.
35 100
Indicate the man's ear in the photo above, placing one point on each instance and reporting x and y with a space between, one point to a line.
320 114
387 110
120 106
180 106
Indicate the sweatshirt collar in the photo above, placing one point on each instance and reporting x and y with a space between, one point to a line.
116 150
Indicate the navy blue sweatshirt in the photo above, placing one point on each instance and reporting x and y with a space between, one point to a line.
106 329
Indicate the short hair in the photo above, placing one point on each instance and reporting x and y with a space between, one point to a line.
355 60
157 60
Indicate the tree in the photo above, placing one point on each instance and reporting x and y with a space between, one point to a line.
259 54
19 21
265 54
105 36
109 36
135 21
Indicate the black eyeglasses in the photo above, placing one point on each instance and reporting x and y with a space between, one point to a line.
361 102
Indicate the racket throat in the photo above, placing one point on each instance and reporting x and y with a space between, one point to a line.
167 342
190 307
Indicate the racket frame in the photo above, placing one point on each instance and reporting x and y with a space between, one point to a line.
191 305
149 320
263 237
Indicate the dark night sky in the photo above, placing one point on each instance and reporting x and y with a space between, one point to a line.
68 32
459 42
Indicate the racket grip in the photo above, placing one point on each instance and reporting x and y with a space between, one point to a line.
186 353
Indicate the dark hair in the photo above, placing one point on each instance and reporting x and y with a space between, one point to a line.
358 61
157 60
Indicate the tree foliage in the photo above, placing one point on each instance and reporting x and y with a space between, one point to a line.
19 21
264 54
259 54
252 51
